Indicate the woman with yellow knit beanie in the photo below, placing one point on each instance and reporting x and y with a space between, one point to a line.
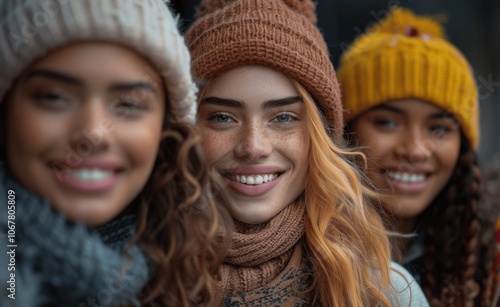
411 104
270 117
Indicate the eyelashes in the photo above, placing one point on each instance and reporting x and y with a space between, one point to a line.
57 101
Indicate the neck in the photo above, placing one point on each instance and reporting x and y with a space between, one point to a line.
404 225
405 228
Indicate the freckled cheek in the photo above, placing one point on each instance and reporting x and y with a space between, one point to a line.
215 145
296 144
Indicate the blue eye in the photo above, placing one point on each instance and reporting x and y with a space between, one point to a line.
285 118
222 118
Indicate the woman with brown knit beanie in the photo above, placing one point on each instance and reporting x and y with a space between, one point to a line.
411 102
270 117
104 189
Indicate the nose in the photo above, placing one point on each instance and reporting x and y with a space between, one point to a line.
89 133
254 142
414 146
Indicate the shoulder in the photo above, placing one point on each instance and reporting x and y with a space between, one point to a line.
404 290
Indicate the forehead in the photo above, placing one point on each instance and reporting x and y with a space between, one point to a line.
412 105
252 83
95 61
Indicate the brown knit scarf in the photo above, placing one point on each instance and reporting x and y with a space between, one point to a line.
265 264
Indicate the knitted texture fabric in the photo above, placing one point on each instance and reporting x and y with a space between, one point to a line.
266 257
276 33
63 264
267 266
30 29
406 56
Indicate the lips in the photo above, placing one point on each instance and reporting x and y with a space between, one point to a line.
89 176
252 180
408 182
407 177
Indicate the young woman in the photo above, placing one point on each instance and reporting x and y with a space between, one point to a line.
411 103
303 233
103 185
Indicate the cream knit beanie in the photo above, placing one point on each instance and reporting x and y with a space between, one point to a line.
31 29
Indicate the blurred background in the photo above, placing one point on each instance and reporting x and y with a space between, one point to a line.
472 25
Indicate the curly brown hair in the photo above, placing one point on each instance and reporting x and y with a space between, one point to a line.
178 223
178 220
456 261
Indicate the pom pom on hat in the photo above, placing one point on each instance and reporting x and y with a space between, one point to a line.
404 21
406 56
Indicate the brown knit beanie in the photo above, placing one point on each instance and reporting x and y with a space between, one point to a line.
280 34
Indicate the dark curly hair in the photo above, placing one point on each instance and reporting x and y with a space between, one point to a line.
178 220
178 223
456 262
455 268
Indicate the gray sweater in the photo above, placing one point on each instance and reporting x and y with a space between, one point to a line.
405 291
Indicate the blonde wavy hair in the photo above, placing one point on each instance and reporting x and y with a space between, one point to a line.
341 227
344 233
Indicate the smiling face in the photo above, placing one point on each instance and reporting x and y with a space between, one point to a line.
412 148
254 133
83 129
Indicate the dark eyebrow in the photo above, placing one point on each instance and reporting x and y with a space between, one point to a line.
62 77
58 76
238 104
437 115
222 102
389 108
281 102
122 87
442 115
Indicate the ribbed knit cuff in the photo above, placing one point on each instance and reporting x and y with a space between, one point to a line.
30 29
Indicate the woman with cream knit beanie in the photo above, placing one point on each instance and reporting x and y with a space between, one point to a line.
411 102
270 116
105 192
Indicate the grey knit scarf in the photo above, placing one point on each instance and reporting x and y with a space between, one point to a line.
58 263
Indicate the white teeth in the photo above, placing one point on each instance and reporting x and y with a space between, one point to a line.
91 174
407 177
255 180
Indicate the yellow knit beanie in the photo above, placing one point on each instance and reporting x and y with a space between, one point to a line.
407 56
